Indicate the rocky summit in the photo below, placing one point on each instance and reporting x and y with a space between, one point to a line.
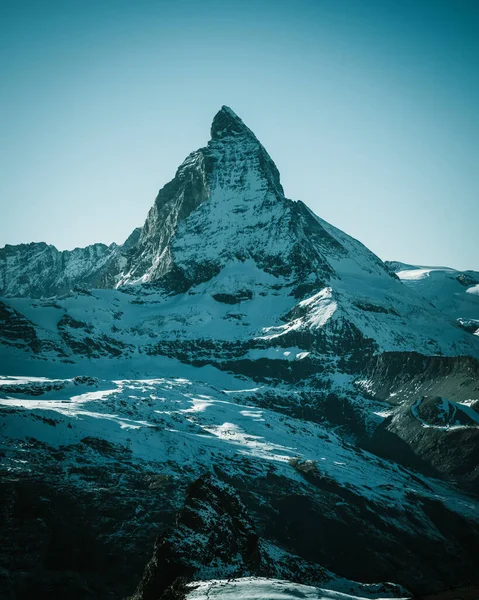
245 384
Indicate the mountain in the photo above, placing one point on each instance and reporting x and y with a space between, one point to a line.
228 193
94 470
236 335
454 292
222 229
39 270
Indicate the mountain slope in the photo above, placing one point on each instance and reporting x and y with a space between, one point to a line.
236 334
317 500
260 588
454 292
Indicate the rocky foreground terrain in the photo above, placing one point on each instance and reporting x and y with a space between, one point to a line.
241 392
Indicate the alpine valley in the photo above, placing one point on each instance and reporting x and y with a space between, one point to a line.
240 401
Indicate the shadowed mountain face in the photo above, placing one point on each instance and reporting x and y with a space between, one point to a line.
237 333
213 536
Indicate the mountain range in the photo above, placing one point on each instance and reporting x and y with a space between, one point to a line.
237 357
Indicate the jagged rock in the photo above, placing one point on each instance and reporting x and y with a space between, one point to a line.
213 534
214 537
224 223
38 270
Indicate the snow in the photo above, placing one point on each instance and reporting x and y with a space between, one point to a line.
259 588
321 308
239 234
442 286
395 318
277 353
448 412
180 421
417 274
404 321
245 241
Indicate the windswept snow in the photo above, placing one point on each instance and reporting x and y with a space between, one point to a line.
422 273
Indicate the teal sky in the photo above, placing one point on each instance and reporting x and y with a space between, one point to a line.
370 109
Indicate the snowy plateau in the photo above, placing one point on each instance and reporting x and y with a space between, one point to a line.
240 401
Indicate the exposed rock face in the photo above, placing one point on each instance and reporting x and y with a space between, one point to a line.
432 423
395 376
39 271
443 434
224 203
212 535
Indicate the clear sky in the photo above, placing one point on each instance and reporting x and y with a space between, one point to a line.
370 109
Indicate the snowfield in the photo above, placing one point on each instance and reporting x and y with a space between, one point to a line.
454 292
179 421
258 588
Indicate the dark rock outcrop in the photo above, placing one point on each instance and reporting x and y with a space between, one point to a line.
213 536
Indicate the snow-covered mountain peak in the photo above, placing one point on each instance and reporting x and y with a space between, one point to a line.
235 148
222 230
226 123
225 203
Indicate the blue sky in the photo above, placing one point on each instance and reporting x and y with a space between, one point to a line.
368 107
